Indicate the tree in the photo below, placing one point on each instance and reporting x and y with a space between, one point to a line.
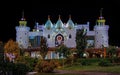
112 51
81 41
43 47
2 63
12 49
63 51
1 52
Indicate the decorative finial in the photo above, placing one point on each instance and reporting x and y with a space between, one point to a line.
69 16
59 17
48 17
23 22
101 10
23 14
23 18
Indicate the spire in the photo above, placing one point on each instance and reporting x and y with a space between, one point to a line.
101 10
101 20
23 18
48 17
23 22
59 23
48 23
23 14
69 16
70 23
37 26
59 17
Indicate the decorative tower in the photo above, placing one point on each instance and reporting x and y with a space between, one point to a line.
71 33
22 33
48 32
101 32
59 32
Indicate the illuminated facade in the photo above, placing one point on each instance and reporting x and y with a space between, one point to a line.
60 32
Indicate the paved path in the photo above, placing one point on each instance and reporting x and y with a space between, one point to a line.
31 73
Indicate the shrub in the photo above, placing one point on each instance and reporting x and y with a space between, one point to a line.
9 66
104 63
68 62
6 67
29 61
20 69
45 66
88 61
85 63
14 68
115 60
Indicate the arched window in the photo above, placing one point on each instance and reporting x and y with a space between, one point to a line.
70 36
48 35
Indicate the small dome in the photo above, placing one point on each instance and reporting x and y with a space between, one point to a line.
48 24
59 24
70 24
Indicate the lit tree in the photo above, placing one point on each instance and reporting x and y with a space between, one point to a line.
12 49
43 47
81 41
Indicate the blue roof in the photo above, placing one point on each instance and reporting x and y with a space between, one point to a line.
70 24
59 24
48 24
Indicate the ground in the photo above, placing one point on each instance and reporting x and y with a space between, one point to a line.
79 73
85 72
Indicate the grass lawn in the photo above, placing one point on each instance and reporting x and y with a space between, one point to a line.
112 69
93 67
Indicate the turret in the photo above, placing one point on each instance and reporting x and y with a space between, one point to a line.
22 33
101 32
23 22
48 24
101 20
70 24
59 24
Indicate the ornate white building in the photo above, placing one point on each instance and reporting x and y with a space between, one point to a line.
61 33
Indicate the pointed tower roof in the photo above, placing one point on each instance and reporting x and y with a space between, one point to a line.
48 23
59 23
23 22
101 20
70 23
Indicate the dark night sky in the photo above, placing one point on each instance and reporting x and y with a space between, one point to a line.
81 12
